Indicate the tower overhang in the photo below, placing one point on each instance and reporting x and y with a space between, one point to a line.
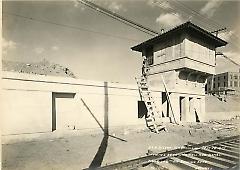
186 28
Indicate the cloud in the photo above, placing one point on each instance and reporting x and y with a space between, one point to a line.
115 7
111 5
7 45
165 5
39 50
226 35
162 4
210 7
55 48
151 3
169 20
77 4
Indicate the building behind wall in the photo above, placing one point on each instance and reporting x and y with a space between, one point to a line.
224 83
184 57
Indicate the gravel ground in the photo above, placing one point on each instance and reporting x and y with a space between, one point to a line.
82 151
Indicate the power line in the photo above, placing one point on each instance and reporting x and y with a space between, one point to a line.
99 9
183 12
118 17
196 13
228 58
202 19
69 26
207 22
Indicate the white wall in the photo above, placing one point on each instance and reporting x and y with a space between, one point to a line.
27 105
199 52
25 111
183 52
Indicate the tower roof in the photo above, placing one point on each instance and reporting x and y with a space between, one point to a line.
189 28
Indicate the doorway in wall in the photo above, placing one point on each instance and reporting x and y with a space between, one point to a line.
165 105
191 109
197 109
62 103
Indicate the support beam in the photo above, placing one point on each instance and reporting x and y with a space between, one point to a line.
185 109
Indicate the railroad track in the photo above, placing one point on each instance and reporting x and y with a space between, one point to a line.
218 154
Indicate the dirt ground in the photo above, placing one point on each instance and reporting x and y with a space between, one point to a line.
89 150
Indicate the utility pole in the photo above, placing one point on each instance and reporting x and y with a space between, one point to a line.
216 34
217 31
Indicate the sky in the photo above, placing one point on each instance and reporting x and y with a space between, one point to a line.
95 46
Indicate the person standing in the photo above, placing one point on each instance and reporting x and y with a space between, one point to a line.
144 66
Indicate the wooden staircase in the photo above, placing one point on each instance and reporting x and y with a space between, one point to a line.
153 113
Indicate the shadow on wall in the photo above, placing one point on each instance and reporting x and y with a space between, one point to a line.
98 158
142 109
192 76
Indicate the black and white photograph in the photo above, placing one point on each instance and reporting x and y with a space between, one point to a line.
120 85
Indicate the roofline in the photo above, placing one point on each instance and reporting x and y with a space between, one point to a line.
182 26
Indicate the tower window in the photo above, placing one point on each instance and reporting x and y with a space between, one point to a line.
150 56
150 60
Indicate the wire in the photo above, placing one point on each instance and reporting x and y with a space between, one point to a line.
212 25
194 12
230 59
69 26
202 19
104 11
159 4
118 17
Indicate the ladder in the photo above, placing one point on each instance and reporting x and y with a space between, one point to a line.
146 96
168 99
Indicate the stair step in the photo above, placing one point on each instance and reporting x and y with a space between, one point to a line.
149 100
143 82
158 127
152 125
149 119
